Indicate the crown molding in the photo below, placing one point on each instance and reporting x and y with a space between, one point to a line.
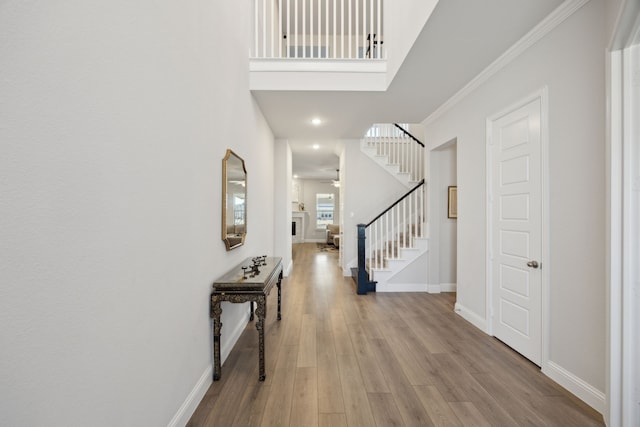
559 15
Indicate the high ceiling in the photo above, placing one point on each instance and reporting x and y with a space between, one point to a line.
460 39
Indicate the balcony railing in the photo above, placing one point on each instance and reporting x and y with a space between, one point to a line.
318 29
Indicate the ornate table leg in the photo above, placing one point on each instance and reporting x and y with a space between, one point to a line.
261 312
216 311
279 295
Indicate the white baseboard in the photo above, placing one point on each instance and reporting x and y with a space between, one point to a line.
190 404
448 287
434 289
471 317
401 287
581 389
188 407
584 391
442 287
288 269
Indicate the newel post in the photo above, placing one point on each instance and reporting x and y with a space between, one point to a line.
363 278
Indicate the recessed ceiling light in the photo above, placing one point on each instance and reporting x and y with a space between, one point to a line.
295 176
316 121
316 146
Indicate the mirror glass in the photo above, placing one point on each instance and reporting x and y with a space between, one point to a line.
234 200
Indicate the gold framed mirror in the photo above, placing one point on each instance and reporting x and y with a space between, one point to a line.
234 200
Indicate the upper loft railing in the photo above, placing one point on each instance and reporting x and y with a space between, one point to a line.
318 29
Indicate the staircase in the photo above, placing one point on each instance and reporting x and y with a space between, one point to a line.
395 238
397 151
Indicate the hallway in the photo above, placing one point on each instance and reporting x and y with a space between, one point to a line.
338 359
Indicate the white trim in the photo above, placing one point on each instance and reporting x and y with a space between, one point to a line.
448 287
630 227
545 315
434 289
620 328
288 269
580 388
401 287
188 407
441 287
559 15
471 317
614 247
546 264
324 65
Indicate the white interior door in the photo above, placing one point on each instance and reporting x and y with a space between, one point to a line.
516 229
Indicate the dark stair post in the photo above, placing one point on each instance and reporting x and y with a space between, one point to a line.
364 285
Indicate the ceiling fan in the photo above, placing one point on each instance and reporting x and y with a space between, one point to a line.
334 182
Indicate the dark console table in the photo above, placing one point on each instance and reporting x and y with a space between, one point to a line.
251 282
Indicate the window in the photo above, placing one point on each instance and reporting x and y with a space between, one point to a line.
324 210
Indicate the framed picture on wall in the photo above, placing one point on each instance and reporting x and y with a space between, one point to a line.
452 203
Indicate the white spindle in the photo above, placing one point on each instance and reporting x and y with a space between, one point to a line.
392 217
371 9
379 30
350 38
296 44
364 28
288 28
368 242
386 237
355 33
398 235
304 28
319 35
279 35
272 28
335 29
311 55
422 221
264 28
375 239
326 26
256 34
342 29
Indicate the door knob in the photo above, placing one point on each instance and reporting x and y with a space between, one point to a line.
533 264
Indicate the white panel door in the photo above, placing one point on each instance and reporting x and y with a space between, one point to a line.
516 229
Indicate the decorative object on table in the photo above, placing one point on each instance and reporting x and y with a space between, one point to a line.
234 200
452 203
254 269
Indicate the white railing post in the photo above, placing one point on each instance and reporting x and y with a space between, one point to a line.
379 30
288 28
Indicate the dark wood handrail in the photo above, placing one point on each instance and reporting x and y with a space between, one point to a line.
406 132
397 201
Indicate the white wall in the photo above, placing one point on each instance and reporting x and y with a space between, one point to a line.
403 21
282 202
570 62
114 118
442 229
361 204
308 190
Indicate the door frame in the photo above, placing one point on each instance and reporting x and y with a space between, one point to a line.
622 140
541 94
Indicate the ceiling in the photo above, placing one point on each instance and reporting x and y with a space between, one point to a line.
461 38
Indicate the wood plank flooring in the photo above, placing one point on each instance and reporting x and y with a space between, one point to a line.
406 359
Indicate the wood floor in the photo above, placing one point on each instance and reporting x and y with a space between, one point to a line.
406 359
